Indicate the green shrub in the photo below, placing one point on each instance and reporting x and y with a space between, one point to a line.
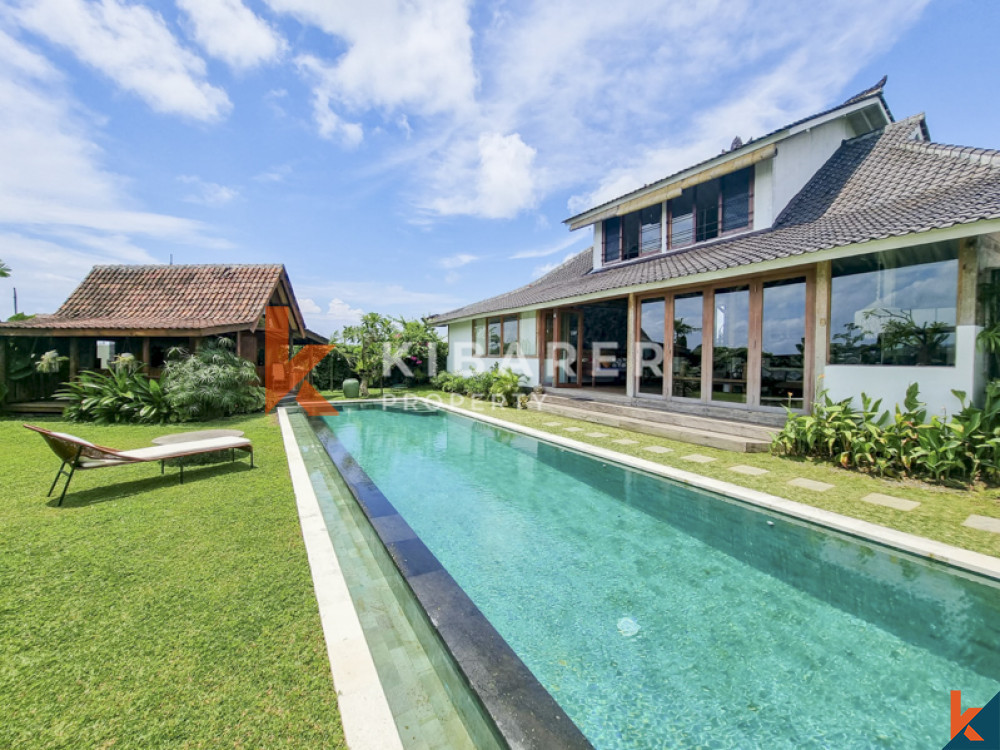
124 395
963 449
213 382
506 386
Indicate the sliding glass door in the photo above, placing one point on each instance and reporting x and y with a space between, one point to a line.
741 345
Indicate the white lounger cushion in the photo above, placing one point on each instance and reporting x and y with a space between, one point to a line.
162 452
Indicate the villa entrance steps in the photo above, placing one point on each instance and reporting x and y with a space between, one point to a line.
725 434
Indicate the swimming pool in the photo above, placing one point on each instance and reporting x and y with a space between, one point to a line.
657 614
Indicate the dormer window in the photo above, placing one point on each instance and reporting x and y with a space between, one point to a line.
708 210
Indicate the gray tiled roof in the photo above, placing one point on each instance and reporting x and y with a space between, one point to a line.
886 183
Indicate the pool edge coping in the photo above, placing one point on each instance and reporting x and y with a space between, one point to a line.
525 715
365 715
957 557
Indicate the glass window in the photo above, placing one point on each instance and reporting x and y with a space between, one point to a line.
510 335
736 200
630 236
686 380
682 219
649 240
494 337
706 201
527 336
479 338
651 333
895 308
783 342
612 239
729 345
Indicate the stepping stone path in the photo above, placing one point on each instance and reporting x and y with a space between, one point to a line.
889 501
658 449
551 424
810 484
625 441
983 523
697 458
597 434
574 429
750 471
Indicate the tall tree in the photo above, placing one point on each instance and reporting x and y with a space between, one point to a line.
365 347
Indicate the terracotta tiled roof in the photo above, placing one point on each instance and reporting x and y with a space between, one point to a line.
188 297
888 183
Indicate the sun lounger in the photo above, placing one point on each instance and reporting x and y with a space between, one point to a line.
77 454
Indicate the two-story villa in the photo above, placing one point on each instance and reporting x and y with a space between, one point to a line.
843 251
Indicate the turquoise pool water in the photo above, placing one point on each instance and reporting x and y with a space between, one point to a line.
658 615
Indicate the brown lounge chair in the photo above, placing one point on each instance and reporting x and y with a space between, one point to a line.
81 454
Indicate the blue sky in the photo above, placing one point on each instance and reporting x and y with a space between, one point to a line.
411 156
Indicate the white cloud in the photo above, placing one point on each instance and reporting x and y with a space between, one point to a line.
342 311
498 184
309 307
576 238
457 261
328 122
208 193
230 31
132 46
61 211
415 54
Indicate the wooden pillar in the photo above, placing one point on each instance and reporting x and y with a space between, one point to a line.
968 279
756 314
3 362
632 363
821 333
74 357
146 353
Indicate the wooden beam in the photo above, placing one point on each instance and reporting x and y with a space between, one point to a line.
74 357
821 335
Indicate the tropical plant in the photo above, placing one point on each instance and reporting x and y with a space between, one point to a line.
364 348
50 362
4 270
964 448
506 386
210 383
426 351
125 394
449 382
989 337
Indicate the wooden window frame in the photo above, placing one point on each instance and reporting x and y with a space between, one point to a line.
485 322
755 338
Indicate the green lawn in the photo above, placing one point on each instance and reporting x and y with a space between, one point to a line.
144 613
940 515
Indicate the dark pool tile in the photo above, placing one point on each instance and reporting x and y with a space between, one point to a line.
413 557
393 528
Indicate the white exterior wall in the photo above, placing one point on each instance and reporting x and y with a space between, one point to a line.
461 361
799 157
890 382
598 247
763 194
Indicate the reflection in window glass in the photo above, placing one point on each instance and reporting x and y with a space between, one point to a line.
682 219
895 308
736 200
688 309
706 201
494 337
630 234
783 342
510 336
729 345
649 241
612 239
651 334
479 338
